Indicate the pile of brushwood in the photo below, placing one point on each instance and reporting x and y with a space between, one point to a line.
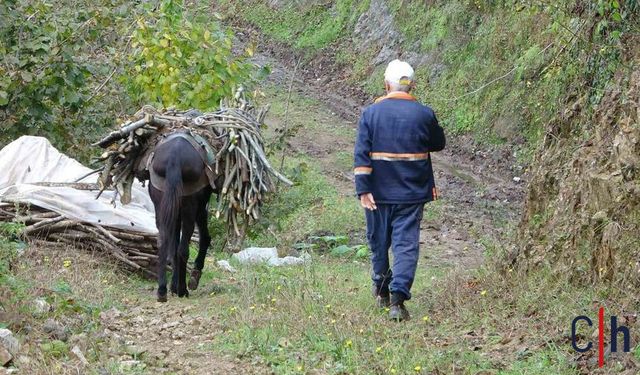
137 251
233 132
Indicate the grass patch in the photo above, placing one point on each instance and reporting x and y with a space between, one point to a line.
321 318
312 206
306 114
311 27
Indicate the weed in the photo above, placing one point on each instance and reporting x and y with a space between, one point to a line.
55 348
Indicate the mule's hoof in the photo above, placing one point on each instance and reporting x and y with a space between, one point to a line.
194 280
162 298
185 294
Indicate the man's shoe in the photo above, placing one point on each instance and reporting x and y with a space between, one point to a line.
397 311
383 300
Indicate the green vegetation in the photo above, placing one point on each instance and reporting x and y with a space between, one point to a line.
322 318
181 62
59 62
312 206
312 27
497 70
52 62
75 286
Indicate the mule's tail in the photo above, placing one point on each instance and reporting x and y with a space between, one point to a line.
170 205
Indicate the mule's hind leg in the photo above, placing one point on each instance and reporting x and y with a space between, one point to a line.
156 198
174 260
205 239
188 225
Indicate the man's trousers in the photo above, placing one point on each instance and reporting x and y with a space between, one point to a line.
396 226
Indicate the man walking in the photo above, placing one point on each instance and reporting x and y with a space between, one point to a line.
394 179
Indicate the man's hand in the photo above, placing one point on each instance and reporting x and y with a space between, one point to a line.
366 201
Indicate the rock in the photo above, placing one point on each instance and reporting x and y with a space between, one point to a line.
110 314
5 356
135 351
253 255
169 325
80 340
177 334
224 264
289 261
8 341
376 28
78 353
517 179
41 307
22 361
55 330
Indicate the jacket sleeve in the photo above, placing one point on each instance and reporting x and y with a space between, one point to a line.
437 139
362 161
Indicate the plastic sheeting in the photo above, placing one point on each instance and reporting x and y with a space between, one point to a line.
29 160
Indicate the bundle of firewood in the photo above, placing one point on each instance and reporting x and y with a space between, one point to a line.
135 250
233 132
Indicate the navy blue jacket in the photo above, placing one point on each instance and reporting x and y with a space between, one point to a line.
392 161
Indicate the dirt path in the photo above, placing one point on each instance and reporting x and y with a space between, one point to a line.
480 199
172 337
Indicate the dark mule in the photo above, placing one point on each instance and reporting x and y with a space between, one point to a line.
180 193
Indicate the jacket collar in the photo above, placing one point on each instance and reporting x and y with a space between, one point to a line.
396 95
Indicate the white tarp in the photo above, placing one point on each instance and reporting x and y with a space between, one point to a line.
268 255
29 160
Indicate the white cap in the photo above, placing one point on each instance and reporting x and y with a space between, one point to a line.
397 70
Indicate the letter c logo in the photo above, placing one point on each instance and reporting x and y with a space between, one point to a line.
573 334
